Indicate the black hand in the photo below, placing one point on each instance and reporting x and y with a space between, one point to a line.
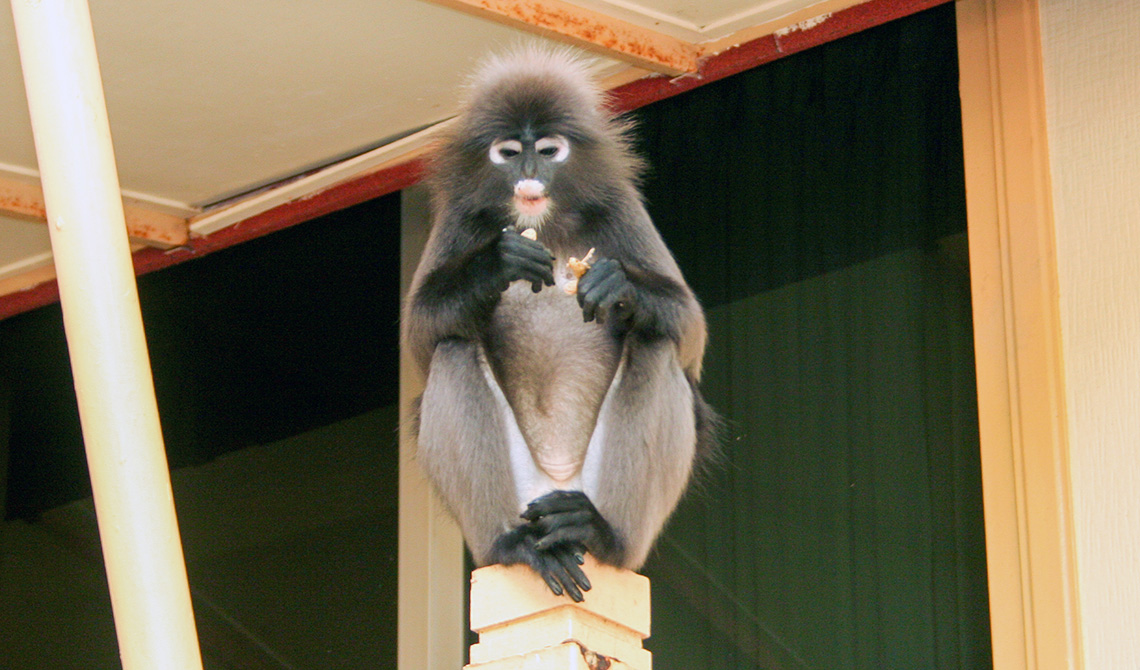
569 518
605 292
523 258
558 566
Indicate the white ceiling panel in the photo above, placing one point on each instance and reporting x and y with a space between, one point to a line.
211 99
22 241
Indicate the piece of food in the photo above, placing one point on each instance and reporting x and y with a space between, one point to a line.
577 268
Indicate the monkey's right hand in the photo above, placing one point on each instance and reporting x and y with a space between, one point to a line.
526 259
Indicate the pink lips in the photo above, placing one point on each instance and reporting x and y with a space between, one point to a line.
530 197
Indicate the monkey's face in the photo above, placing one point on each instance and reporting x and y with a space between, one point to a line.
529 162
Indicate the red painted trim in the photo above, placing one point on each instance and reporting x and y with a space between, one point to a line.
28 299
767 49
332 199
628 97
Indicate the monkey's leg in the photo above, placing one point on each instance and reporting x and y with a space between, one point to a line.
641 455
475 455
463 446
558 564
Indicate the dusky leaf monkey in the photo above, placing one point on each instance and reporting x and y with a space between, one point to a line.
551 424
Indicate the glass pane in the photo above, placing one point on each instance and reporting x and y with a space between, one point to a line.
816 205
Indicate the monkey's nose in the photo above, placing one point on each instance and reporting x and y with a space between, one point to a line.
530 189
530 197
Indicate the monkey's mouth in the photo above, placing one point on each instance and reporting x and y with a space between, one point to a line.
530 198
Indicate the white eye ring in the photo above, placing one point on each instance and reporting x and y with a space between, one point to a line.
555 147
503 150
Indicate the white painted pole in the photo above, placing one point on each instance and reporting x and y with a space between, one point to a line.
125 454
431 574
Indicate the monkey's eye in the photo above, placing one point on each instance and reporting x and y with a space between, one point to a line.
555 147
504 150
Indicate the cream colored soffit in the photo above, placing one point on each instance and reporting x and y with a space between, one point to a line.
417 144
150 222
400 151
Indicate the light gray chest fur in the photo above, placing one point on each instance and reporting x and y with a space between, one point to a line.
554 370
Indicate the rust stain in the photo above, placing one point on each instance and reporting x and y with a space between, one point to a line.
593 659
142 228
23 207
620 39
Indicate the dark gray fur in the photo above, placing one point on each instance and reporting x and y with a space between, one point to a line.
491 357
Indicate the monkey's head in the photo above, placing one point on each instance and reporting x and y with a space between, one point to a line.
533 139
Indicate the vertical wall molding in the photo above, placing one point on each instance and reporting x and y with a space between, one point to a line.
430 631
1029 538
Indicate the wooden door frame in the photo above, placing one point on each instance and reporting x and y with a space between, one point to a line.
1021 393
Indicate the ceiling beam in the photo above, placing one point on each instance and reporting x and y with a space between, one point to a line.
25 200
588 29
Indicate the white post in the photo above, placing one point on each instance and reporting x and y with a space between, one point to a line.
430 631
141 548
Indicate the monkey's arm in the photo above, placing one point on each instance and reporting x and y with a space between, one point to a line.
459 284
652 306
633 300
636 288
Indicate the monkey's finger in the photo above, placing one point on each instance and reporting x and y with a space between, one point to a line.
603 296
589 307
555 576
534 273
514 243
552 582
528 260
557 501
566 579
601 270
539 257
577 533
547 524
539 263
573 591
573 568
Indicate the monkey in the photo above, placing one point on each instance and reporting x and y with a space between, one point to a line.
551 425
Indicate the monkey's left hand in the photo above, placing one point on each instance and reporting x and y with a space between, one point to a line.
562 518
605 292
561 527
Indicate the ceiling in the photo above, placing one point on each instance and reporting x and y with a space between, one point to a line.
215 105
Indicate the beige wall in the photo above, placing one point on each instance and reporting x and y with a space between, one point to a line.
1092 81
